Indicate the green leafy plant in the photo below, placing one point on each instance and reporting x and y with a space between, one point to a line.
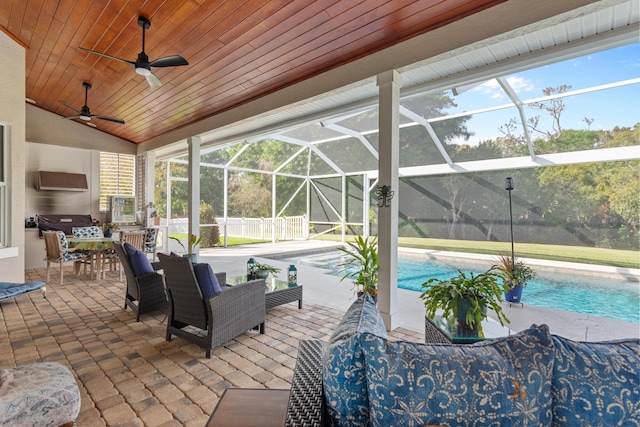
514 273
267 267
482 291
110 226
362 264
192 242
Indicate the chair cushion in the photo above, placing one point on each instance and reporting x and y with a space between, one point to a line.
8 289
150 239
138 259
39 394
86 232
207 280
502 382
596 383
345 384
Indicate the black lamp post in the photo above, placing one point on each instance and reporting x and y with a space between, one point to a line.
509 185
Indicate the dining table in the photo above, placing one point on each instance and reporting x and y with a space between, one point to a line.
99 245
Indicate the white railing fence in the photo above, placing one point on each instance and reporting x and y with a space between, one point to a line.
282 228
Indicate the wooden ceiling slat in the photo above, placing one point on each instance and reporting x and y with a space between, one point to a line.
31 13
237 50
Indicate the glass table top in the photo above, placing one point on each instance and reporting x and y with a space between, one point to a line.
457 334
273 284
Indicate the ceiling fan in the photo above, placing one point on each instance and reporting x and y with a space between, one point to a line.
142 64
84 113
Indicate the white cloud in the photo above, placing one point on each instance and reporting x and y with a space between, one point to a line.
492 89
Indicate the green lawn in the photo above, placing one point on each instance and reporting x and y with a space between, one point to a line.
599 256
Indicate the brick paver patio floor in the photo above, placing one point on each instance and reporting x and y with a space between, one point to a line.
128 374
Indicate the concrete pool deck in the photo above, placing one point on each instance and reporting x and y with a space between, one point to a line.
322 288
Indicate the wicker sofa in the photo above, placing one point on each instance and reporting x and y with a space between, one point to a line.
359 377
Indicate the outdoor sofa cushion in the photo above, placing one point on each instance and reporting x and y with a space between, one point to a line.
9 290
596 383
139 262
38 394
501 382
345 384
207 280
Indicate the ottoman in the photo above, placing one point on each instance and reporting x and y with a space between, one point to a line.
39 394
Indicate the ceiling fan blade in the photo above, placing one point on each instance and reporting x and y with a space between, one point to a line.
69 106
169 61
72 117
153 81
109 119
109 56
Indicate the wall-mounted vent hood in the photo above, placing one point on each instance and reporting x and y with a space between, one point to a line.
62 181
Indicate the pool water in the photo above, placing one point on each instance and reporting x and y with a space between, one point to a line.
614 299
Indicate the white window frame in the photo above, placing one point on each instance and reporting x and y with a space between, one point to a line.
4 187
104 193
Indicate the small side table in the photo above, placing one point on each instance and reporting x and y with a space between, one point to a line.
250 407
440 330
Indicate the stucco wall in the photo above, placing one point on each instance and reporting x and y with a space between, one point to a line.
12 113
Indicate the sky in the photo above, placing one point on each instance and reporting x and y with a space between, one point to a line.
605 109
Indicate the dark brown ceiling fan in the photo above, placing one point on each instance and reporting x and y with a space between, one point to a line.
84 113
142 64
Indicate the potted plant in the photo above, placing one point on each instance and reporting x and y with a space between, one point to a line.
362 264
262 270
108 228
192 242
466 297
515 274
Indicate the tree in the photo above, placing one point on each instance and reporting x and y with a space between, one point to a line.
554 107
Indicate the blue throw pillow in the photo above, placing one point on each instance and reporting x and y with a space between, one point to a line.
502 382
345 384
208 282
138 259
596 383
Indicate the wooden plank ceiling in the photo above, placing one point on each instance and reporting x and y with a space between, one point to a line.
237 50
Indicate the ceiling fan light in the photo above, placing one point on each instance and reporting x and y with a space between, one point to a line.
87 118
143 71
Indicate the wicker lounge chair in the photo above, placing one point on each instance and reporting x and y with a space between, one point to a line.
145 293
223 316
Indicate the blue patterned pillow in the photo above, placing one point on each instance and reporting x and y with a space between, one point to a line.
345 385
502 382
596 383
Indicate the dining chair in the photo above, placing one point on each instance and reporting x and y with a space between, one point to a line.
92 232
58 251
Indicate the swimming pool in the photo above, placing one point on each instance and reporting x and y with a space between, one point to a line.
581 294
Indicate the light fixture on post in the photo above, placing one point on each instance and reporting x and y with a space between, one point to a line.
510 185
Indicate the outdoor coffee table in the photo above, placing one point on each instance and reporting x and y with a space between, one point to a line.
277 292
441 330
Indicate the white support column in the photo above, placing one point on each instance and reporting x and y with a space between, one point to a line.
149 197
366 205
343 211
193 142
389 84
226 203
273 209
165 242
